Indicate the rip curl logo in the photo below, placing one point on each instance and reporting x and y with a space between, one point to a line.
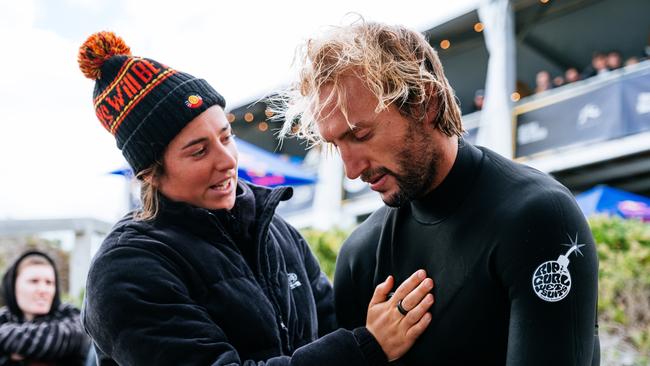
552 279
293 280
193 101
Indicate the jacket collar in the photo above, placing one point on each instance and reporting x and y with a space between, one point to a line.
253 210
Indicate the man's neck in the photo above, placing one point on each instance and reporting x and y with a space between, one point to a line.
448 152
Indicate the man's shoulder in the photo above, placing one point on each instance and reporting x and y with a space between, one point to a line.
522 183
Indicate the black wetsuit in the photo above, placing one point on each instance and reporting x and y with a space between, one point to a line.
497 238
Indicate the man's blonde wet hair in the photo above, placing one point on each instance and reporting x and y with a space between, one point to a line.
396 64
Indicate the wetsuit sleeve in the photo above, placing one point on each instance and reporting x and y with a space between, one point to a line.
54 338
139 312
549 269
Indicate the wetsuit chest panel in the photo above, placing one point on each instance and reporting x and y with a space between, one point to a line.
457 258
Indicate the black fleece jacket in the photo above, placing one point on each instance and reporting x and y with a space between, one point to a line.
199 287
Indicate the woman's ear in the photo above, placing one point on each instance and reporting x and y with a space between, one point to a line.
151 179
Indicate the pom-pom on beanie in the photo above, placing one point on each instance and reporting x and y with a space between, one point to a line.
144 104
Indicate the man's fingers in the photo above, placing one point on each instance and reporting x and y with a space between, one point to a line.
414 297
415 314
381 291
408 285
418 328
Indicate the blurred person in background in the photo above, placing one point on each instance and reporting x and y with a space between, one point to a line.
571 75
598 66
543 81
36 329
614 60
486 227
633 60
479 97
206 273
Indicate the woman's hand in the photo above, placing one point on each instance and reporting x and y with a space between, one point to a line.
397 329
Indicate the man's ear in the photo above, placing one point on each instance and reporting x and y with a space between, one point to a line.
432 112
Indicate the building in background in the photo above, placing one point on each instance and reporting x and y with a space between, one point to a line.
585 132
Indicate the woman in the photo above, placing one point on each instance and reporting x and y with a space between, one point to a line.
35 328
206 273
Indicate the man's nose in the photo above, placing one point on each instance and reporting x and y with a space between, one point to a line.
353 162
42 287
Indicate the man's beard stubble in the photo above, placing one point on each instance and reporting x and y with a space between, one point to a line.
418 161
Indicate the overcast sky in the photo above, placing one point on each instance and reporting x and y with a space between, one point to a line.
54 155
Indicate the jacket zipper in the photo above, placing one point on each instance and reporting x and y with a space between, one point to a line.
284 330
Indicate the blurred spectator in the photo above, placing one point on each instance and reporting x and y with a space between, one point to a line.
571 75
543 81
479 96
35 327
598 66
614 60
632 61
558 81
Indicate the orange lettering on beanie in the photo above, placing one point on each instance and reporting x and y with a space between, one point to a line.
132 83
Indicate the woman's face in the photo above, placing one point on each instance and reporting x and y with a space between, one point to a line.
200 163
35 288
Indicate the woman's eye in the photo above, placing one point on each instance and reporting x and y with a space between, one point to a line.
229 138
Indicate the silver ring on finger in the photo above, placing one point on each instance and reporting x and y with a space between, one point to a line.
400 308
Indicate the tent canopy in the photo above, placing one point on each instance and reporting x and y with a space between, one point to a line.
260 167
612 201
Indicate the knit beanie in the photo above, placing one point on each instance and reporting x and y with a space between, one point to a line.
144 104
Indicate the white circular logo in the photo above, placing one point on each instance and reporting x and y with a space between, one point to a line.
552 281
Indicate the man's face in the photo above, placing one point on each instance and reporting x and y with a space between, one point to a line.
397 156
35 289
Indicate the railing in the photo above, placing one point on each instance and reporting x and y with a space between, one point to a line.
605 107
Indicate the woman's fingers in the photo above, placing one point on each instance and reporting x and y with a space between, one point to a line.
414 297
381 291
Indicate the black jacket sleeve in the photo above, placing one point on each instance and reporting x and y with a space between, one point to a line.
548 266
45 338
320 286
139 312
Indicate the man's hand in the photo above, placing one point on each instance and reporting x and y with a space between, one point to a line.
395 331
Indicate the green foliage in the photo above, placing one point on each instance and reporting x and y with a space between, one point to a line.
624 278
325 245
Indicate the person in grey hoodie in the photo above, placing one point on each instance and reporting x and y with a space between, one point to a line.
35 327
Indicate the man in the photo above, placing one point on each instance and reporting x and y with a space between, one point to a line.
512 257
